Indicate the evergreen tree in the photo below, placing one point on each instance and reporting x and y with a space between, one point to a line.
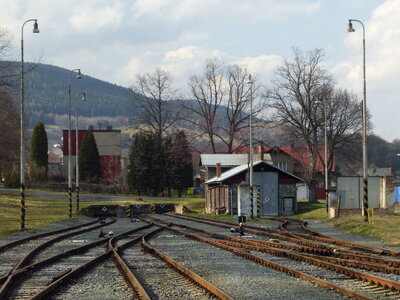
146 169
39 145
181 163
139 163
89 159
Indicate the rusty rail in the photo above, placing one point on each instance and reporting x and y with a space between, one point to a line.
312 236
60 282
126 271
315 261
381 264
193 276
40 235
8 279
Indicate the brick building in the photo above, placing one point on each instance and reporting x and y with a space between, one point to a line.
109 146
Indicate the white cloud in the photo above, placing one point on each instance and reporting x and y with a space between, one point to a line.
223 9
189 60
382 65
89 18
262 66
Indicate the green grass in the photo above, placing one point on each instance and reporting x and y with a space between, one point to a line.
306 210
385 228
39 213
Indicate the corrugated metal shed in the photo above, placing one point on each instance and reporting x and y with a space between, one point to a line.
228 159
234 171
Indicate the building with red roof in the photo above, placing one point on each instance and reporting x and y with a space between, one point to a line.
109 146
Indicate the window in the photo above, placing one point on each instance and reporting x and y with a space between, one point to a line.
282 165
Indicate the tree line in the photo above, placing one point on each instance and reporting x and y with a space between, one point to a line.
158 164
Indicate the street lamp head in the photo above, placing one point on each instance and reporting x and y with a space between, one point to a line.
36 27
79 74
250 80
350 27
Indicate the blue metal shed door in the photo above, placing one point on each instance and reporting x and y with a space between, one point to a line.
269 192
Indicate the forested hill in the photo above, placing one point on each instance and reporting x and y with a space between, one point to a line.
46 95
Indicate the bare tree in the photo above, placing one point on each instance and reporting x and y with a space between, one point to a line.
344 124
207 91
222 105
6 75
298 87
234 131
9 117
9 130
152 93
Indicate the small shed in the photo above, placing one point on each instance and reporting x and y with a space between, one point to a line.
227 162
229 192
380 192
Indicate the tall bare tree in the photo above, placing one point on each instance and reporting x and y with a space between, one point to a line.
208 92
152 93
9 117
344 123
6 76
222 104
298 87
238 98
9 138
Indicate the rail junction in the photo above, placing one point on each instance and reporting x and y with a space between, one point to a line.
173 256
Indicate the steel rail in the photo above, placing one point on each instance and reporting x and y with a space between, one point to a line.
193 276
260 232
49 260
315 261
327 239
61 281
8 282
313 236
48 243
44 234
383 265
126 271
262 261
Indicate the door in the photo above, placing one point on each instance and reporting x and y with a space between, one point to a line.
268 181
233 199
288 206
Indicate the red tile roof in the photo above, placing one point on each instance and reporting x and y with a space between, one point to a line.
299 153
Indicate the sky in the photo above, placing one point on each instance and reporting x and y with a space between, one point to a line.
114 40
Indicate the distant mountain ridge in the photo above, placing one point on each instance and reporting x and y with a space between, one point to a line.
46 95
46 99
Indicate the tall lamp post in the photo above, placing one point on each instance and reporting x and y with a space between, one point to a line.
364 125
251 145
78 76
22 150
325 151
77 153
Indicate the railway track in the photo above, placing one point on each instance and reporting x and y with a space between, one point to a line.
56 277
365 257
344 279
17 254
27 250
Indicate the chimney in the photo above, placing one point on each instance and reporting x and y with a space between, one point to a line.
261 148
218 169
